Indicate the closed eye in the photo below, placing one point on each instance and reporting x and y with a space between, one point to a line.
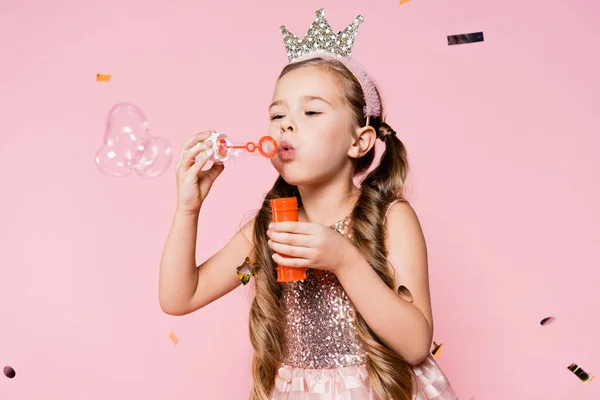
276 117
312 113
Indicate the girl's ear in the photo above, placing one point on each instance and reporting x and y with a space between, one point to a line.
364 139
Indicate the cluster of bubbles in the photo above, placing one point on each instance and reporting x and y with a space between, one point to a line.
129 146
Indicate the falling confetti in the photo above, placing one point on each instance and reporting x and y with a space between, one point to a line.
436 349
465 38
405 293
102 77
246 270
581 374
403 2
547 321
173 337
9 372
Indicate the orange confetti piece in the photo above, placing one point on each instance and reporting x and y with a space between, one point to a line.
102 77
403 2
436 349
173 337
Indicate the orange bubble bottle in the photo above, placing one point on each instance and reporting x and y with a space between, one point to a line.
283 210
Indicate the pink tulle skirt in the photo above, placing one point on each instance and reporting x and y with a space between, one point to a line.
352 383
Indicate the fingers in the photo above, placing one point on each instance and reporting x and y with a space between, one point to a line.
214 171
303 228
292 262
190 155
290 251
290 239
192 147
197 154
199 137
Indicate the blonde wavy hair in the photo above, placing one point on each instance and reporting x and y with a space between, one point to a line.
390 375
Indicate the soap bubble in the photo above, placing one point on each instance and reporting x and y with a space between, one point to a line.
129 145
236 155
113 161
153 158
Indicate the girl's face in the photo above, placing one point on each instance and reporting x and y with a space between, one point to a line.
312 125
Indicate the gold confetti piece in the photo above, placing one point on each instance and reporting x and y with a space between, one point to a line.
547 321
436 349
173 337
581 374
102 77
403 2
246 271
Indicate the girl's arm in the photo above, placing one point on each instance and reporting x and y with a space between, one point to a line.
183 287
405 327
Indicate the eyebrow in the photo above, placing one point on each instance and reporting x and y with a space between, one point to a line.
305 98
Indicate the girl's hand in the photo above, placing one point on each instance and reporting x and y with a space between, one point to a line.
193 184
309 245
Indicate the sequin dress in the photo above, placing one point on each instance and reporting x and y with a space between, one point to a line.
323 357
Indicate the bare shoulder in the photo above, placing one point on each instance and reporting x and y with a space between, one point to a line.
402 216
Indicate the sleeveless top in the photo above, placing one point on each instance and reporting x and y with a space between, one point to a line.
323 356
319 320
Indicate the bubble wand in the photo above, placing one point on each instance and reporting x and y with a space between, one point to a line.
223 147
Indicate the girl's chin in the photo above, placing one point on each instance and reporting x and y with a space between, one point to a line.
294 178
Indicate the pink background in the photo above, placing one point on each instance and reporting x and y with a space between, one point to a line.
502 136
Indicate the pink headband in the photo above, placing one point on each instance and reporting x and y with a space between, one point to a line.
321 41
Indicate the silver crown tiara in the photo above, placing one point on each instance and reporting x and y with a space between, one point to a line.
320 37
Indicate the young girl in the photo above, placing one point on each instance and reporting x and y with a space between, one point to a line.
360 325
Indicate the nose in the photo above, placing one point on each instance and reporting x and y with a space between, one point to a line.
287 126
